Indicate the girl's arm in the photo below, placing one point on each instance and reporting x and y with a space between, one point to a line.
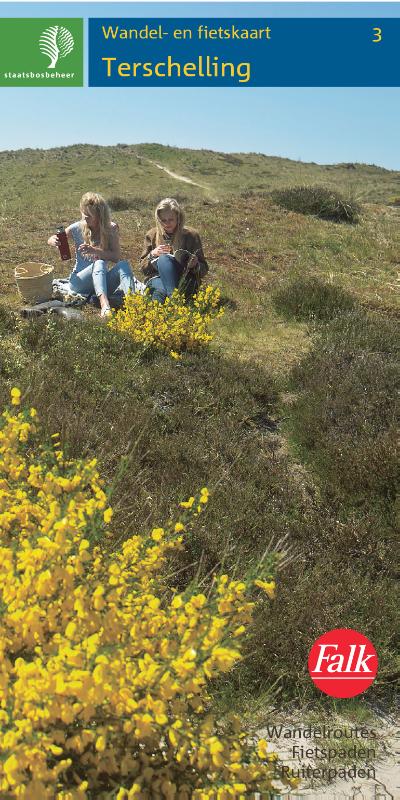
53 240
145 258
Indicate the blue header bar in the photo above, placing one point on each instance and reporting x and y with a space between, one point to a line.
243 52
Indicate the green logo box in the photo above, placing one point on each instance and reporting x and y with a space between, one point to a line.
41 52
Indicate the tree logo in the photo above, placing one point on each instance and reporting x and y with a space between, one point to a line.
56 42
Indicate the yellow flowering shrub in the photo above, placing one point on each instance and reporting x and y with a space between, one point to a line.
103 669
174 325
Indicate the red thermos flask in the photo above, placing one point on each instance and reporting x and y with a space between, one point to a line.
63 245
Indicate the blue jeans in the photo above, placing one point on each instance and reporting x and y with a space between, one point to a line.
95 278
170 272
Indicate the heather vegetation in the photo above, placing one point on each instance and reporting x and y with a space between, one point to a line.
319 201
288 415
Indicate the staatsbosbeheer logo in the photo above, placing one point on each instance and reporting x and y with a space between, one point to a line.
41 51
343 663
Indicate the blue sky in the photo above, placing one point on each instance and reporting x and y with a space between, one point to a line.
324 125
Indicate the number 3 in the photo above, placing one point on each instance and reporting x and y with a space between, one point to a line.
377 34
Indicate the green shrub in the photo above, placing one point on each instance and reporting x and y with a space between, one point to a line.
118 203
231 159
311 298
319 201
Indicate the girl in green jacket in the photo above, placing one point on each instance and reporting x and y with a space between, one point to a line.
172 255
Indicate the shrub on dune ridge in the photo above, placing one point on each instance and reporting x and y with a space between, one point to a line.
127 203
317 200
104 670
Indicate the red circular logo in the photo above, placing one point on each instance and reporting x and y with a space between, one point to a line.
343 663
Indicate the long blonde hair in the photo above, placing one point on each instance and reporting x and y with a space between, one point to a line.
97 205
170 204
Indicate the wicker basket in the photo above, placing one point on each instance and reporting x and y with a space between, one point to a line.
34 281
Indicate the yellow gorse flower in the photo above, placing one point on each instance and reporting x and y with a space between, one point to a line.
173 326
267 586
107 515
103 674
15 396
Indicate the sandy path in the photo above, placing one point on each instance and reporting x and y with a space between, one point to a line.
181 178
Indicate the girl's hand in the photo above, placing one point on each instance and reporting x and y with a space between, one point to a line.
193 262
53 241
160 250
87 249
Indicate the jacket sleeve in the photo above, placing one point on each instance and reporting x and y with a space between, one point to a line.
198 247
148 246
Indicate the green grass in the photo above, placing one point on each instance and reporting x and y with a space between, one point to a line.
312 299
295 395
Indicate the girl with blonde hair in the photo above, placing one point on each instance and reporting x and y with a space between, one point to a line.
96 240
172 254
